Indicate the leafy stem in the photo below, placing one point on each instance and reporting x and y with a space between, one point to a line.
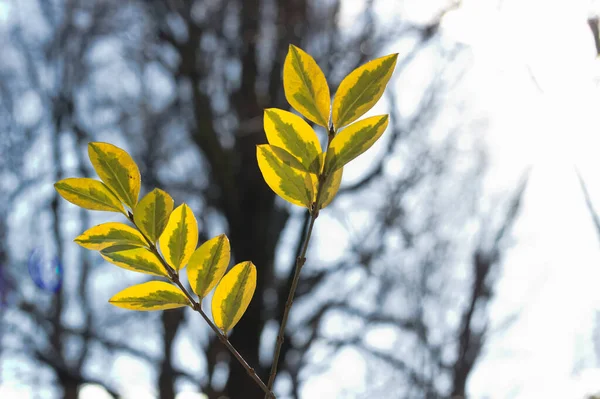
300 260
196 306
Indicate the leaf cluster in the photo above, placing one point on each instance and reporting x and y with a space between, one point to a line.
293 163
161 241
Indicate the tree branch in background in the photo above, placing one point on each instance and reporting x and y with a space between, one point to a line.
588 202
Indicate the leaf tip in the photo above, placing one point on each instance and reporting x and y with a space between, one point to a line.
93 146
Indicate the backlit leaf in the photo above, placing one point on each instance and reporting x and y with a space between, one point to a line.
179 239
233 295
330 187
353 141
305 86
151 214
117 170
89 194
110 234
284 176
361 89
153 295
293 134
208 264
140 260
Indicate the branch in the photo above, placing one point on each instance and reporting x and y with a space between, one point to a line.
588 203
197 307
300 260
393 361
471 341
88 334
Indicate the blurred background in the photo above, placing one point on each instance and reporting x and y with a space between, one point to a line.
460 258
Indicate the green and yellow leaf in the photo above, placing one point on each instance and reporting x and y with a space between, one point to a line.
305 86
179 238
117 170
152 213
353 141
290 132
208 264
330 187
110 234
153 295
284 176
140 260
233 295
89 194
361 89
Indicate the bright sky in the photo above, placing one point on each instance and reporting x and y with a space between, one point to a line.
536 74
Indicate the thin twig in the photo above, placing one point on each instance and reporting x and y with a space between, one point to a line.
300 260
174 277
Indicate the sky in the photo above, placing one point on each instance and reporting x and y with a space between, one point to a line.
536 75
536 80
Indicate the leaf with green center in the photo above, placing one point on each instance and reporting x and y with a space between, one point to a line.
153 295
152 213
330 187
233 295
353 141
89 194
293 134
208 264
140 260
285 176
179 238
361 89
305 86
110 234
117 170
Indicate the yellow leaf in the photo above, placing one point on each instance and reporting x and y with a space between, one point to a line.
284 176
330 187
117 170
233 295
179 239
293 134
208 264
140 260
152 213
353 141
305 86
89 194
110 234
361 89
153 295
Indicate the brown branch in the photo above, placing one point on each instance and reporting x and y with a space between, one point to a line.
196 306
300 260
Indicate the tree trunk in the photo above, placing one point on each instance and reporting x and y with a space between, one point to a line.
171 321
